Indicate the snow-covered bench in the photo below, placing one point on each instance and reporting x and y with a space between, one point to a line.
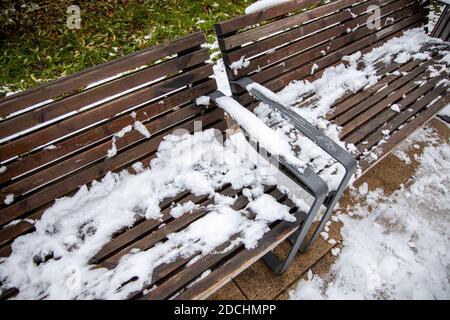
360 71
442 27
203 213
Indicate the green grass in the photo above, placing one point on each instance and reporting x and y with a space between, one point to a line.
36 45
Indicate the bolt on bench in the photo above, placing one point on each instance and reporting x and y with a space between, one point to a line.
265 51
67 133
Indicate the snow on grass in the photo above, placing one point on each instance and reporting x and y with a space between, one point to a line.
401 249
262 4
53 261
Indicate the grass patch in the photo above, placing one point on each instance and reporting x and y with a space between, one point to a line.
37 46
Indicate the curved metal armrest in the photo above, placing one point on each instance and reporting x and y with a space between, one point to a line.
323 141
328 145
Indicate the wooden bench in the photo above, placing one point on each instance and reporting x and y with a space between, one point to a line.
56 138
299 39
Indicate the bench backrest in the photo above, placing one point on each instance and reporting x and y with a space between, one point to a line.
442 27
56 137
296 40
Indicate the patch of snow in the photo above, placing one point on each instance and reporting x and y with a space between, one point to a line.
9 199
203 101
53 261
240 64
181 209
221 78
138 126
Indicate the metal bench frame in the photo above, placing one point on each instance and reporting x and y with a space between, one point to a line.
315 185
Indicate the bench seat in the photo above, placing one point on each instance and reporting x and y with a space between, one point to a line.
287 47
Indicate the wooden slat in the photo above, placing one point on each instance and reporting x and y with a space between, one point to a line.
80 79
73 103
105 111
312 34
411 91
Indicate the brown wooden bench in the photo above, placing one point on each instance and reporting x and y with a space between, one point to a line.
55 138
299 39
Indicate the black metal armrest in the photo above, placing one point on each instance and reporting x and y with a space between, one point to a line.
328 145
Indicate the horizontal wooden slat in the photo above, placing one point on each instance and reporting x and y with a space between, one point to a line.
80 79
